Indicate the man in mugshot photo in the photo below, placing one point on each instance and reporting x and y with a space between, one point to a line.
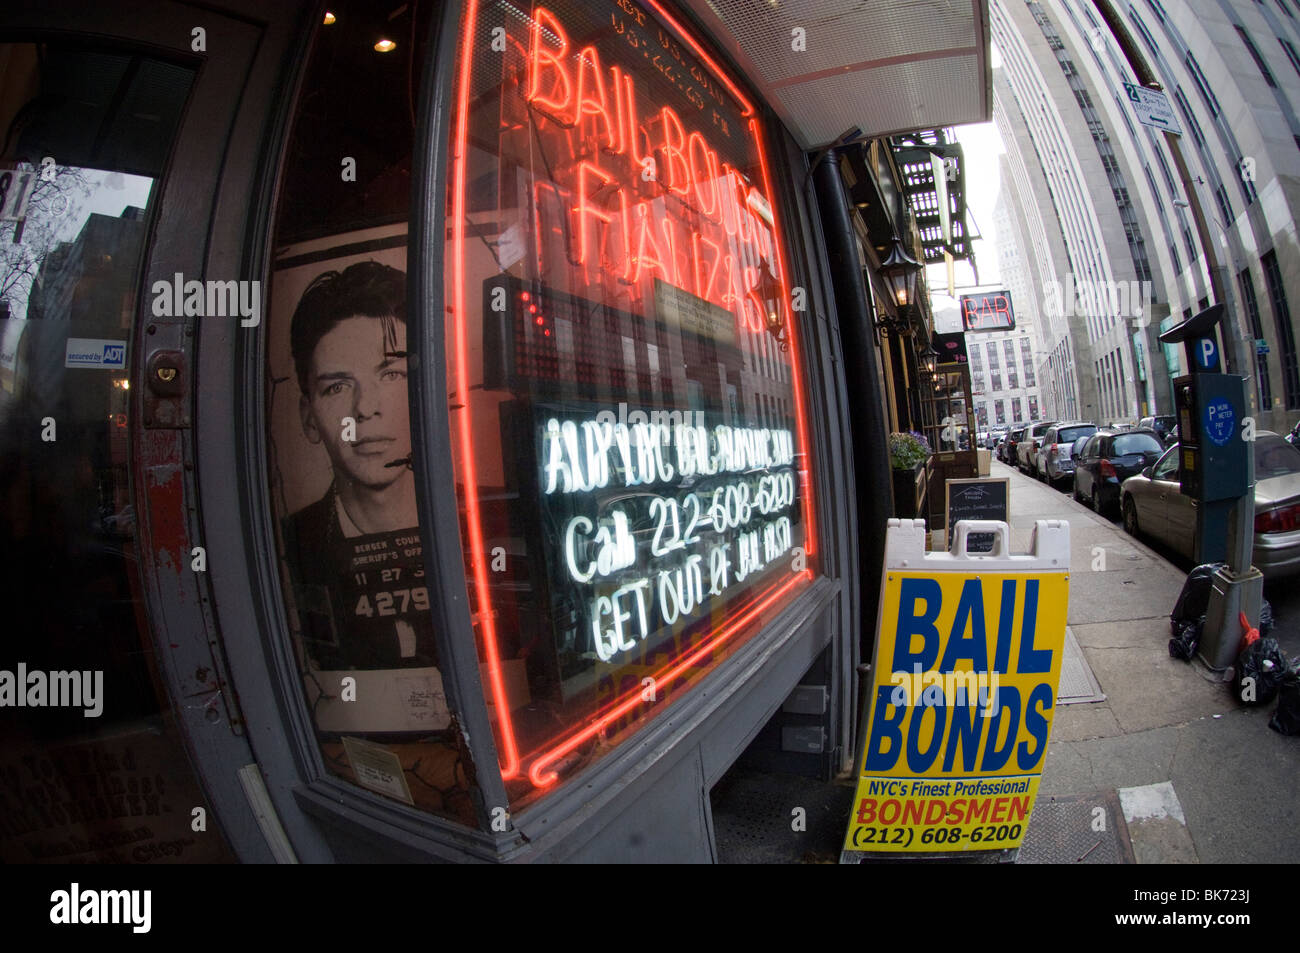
354 555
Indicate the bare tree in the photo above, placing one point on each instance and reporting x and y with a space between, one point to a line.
26 245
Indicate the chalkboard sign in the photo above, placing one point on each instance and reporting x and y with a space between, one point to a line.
980 499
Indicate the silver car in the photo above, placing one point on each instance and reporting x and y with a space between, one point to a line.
1153 506
1030 441
1055 461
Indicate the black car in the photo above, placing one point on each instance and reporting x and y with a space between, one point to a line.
1163 426
1007 448
1108 459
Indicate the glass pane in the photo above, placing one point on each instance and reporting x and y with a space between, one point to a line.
342 474
92 767
627 413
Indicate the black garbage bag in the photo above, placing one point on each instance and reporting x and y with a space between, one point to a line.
1286 720
1260 670
1183 644
1265 618
1195 597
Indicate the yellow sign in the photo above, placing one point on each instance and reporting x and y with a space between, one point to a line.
961 704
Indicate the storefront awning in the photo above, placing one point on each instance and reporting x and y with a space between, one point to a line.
829 66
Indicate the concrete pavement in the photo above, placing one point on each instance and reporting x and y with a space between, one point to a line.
1200 777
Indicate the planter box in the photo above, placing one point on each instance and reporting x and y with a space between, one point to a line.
909 492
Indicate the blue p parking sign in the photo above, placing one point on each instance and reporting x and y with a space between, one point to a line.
1207 354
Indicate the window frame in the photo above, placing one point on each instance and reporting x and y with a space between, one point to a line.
563 808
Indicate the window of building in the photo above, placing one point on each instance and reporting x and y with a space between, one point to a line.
1225 207
1033 407
1247 286
997 379
1144 32
650 523
1202 85
1193 126
341 460
1255 55
992 350
1285 334
1000 412
1015 409
1291 54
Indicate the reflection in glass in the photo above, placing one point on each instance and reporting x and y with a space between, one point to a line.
92 769
627 410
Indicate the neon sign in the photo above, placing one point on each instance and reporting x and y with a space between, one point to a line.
990 311
618 213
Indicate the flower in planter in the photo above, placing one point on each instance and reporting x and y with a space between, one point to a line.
906 450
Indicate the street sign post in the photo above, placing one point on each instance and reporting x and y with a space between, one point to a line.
963 691
1152 108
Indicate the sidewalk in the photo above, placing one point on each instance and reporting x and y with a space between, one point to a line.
1199 777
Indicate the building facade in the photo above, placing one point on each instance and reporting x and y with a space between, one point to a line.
458 425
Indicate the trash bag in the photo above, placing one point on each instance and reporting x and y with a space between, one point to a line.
1265 618
1195 597
1183 644
1261 667
1286 720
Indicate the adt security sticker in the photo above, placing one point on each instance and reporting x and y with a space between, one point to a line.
1220 421
95 352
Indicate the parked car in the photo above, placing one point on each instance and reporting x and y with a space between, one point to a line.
1163 426
1030 441
1007 451
1153 506
1108 459
1055 456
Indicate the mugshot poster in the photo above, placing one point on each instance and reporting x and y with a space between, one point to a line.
341 468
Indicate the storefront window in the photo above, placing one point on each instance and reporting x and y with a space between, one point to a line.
627 409
342 468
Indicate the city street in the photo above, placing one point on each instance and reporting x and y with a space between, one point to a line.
1169 737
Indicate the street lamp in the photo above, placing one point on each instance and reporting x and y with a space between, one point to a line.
899 272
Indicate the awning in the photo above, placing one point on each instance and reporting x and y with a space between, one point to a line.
882 66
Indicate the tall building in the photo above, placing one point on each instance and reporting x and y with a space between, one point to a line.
1141 251
1232 69
1025 221
1005 364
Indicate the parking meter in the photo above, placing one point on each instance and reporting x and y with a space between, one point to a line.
1216 469
1211 405
1212 455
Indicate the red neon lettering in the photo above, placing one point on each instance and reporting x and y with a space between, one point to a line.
646 237
583 209
675 152
542 60
587 104
705 289
633 127
698 146
1000 303
616 76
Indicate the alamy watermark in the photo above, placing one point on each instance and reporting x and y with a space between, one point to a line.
1125 299
946 689
208 299
36 689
